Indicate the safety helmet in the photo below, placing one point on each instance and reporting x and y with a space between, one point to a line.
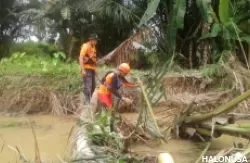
124 67
93 36
165 158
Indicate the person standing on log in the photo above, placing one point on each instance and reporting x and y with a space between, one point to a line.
111 83
87 61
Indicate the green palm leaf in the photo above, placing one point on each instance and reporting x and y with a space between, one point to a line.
224 11
150 12
205 9
179 12
109 8
176 22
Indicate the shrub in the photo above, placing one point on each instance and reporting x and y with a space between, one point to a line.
34 48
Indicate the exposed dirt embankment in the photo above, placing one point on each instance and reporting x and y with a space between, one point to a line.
58 95
38 100
193 83
207 93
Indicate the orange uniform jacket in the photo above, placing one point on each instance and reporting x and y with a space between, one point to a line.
89 51
112 83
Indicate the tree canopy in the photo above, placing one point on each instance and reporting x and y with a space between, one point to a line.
194 31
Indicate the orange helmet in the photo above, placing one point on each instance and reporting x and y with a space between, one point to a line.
124 67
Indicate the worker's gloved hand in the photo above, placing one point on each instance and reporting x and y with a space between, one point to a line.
127 100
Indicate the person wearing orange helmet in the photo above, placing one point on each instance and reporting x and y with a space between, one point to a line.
112 82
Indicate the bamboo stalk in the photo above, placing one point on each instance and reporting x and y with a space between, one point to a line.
207 132
203 152
203 131
240 125
224 108
149 107
37 152
245 136
231 130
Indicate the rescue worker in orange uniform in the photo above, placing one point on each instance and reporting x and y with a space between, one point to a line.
87 60
110 84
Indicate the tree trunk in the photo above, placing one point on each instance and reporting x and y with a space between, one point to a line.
63 40
248 50
5 44
204 47
74 47
194 53
190 54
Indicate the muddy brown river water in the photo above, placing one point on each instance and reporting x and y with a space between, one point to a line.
52 134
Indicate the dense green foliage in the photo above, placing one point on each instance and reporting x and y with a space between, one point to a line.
21 63
193 32
33 48
37 58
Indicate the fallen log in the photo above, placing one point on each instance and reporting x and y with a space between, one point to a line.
224 108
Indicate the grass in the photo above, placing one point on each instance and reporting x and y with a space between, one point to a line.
23 64
41 65
23 70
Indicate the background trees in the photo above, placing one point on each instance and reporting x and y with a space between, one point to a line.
195 32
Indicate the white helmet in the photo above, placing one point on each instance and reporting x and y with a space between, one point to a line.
165 158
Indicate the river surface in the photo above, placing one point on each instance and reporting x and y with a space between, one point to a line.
184 151
52 134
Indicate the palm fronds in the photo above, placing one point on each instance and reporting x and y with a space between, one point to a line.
109 8
150 12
